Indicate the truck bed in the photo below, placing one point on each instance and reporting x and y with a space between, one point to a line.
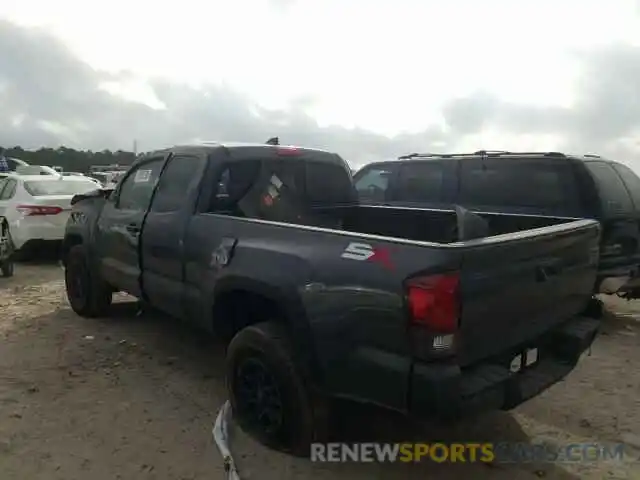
427 225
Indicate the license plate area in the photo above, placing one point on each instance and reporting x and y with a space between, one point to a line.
524 360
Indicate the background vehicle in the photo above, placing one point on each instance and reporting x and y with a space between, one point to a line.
36 207
15 163
35 170
536 183
108 180
321 298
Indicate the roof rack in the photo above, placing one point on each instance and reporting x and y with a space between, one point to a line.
485 153
419 155
592 155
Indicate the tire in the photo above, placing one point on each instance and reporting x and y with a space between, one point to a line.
7 268
88 295
265 349
594 309
6 233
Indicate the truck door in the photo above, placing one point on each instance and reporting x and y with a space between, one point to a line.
162 244
119 226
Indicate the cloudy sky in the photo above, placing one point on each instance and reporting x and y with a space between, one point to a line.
367 79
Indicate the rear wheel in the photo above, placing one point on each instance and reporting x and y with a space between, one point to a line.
269 396
88 294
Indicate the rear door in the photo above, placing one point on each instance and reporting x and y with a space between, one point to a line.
120 223
425 183
535 186
516 287
162 244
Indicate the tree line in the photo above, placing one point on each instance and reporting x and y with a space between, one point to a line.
69 159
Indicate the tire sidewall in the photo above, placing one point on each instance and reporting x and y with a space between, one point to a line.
77 269
295 433
7 268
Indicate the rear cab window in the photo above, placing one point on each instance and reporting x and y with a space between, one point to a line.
526 185
281 187
614 197
328 184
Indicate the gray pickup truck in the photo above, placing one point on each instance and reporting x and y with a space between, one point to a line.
321 298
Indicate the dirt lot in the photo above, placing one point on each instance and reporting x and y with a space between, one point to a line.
135 398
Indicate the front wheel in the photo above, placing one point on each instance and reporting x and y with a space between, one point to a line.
88 294
269 396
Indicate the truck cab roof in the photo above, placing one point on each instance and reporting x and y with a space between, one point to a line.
244 150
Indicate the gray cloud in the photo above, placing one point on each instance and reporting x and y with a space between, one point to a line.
49 97
606 107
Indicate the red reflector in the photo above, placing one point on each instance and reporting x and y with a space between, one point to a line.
287 151
433 302
33 210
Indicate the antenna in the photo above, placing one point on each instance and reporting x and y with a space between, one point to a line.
273 141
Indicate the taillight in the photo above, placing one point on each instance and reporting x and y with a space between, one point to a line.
433 302
33 210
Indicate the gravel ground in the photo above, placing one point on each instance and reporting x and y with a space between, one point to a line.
135 398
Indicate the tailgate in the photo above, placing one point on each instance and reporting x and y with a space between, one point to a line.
515 287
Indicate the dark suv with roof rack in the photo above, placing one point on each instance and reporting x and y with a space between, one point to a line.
537 183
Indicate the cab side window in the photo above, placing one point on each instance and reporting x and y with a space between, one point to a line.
233 182
177 179
136 189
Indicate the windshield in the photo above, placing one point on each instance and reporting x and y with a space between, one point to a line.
39 188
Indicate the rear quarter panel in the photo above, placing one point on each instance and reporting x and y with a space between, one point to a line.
347 310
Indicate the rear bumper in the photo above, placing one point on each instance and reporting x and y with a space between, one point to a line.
449 392
31 237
